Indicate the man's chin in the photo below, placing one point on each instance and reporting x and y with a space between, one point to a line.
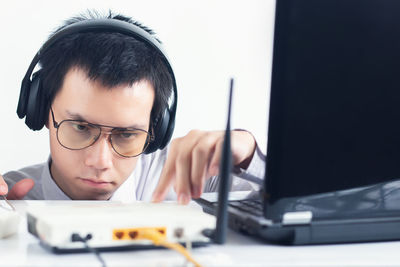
85 193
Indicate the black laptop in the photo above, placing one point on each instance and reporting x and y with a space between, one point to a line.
333 154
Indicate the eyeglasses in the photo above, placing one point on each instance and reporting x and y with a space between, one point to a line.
78 134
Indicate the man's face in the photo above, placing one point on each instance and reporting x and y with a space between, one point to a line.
97 171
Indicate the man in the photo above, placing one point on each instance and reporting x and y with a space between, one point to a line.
106 92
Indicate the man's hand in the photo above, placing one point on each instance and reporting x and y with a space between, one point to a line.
194 158
18 191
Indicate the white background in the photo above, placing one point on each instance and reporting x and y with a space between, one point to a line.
207 42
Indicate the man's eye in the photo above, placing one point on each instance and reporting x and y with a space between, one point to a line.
127 135
80 127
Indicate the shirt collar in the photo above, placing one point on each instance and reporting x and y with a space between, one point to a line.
127 190
51 191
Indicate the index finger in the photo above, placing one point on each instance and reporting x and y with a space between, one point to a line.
3 186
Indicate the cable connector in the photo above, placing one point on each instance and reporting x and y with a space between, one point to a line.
75 237
78 238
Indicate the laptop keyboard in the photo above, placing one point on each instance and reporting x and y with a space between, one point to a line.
254 207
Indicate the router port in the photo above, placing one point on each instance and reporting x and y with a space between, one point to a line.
118 234
133 234
178 232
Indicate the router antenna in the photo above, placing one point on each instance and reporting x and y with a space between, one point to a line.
224 179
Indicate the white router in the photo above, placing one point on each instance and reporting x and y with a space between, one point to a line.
113 225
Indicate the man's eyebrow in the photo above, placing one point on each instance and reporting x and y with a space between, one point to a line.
75 116
79 117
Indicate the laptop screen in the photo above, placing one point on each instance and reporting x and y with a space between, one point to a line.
335 96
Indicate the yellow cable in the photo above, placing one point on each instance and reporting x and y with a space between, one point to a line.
160 240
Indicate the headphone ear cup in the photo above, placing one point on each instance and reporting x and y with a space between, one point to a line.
23 98
162 133
169 130
35 104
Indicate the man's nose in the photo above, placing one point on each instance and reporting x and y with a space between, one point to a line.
99 155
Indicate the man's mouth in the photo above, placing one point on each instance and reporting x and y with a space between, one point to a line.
95 182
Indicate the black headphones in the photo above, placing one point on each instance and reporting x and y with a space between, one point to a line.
32 103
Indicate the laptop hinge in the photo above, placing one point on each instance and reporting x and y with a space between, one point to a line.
297 217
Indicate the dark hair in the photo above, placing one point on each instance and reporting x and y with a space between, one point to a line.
110 58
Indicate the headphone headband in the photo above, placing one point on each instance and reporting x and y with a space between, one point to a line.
102 25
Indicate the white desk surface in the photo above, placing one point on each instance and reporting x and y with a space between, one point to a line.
23 249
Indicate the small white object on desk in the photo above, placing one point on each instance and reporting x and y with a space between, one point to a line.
9 220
